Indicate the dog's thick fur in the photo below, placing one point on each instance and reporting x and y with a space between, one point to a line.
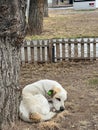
40 98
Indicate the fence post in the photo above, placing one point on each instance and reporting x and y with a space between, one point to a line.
50 50
32 51
53 53
75 49
38 51
82 48
88 49
25 51
63 49
69 49
57 50
94 49
43 51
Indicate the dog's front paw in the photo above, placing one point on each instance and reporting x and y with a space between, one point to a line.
53 114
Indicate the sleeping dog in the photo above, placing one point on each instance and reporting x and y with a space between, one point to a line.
41 100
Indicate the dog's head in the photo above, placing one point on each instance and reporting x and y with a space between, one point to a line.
57 98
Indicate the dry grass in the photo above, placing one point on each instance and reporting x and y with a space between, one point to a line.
49 126
70 24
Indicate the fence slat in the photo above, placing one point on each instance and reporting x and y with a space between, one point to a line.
32 51
57 50
69 49
43 51
49 48
88 49
25 52
38 51
63 49
75 49
94 49
82 48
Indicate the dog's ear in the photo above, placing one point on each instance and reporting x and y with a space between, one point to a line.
51 93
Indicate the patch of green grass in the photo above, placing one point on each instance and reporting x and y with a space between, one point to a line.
93 81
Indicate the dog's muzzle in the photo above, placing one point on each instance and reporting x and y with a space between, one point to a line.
62 108
57 111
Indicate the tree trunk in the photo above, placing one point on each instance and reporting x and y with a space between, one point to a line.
45 8
12 32
9 77
54 2
70 1
35 20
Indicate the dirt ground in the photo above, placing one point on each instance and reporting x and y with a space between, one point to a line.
81 82
79 79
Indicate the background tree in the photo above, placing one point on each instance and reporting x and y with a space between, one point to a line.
45 8
35 20
55 2
12 25
70 1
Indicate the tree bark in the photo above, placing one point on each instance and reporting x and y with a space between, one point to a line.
9 77
12 31
35 20
45 8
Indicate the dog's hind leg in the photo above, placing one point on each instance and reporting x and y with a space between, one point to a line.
36 117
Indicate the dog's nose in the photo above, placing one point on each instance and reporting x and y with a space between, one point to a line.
61 108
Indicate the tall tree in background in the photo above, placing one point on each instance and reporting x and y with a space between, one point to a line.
12 25
45 8
70 1
35 20
55 2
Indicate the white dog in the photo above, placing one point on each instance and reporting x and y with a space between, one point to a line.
42 100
